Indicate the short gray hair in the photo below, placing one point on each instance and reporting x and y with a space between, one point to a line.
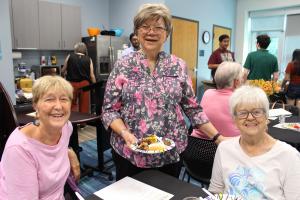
226 73
80 47
153 11
249 95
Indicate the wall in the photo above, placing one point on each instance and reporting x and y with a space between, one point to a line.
6 66
242 24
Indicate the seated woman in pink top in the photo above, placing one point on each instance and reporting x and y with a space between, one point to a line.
36 161
215 102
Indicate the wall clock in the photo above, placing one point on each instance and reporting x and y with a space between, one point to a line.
206 37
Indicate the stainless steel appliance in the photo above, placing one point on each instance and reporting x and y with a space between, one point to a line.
103 50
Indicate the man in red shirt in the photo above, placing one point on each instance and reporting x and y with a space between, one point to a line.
219 55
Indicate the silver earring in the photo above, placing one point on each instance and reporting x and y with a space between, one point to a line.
36 121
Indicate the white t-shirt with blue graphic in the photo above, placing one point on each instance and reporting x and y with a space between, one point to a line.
274 175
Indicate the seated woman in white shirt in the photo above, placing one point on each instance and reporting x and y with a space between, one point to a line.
255 165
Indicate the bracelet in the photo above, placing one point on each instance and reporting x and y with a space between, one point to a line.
216 137
123 131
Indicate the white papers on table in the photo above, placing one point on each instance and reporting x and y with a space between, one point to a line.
32 114
131 189
278 111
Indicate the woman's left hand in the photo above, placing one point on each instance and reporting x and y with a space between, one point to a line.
75 165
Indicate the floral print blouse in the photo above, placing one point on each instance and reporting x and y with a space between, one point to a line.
151 103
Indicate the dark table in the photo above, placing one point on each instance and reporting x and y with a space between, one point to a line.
286 135
166 183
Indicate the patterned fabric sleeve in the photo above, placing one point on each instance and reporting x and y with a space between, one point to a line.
112 97
188 102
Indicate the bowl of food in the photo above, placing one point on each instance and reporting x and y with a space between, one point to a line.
153 144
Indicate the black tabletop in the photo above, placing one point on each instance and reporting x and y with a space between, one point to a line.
286 135
166 183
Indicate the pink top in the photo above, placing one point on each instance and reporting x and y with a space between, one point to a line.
215 104
31 170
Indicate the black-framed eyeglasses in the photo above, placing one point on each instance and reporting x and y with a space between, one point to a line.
256 113
155 29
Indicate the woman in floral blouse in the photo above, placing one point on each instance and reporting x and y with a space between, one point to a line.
148 92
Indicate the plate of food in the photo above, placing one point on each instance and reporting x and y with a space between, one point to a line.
153 144
293 126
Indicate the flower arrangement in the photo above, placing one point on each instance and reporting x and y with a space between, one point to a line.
270 87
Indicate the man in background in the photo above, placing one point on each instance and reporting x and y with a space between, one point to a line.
260 64
221 54
135 45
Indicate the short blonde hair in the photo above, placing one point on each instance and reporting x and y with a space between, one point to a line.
153 11
46 83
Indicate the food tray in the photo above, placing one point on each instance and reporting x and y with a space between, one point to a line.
135 148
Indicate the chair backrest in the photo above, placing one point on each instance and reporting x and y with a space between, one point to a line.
198 158
8 118
291 108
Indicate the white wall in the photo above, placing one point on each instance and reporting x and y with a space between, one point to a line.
242 26
6 64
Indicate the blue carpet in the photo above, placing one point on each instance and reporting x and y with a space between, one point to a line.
89 185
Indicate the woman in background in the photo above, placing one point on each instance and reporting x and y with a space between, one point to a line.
292 79
79 70
255 165
36 160
215 102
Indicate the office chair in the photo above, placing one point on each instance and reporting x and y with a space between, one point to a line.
198 159
8 118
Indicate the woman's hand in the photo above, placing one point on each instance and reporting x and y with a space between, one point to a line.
74 163
128 137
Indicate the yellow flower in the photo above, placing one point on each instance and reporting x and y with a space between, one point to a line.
270 87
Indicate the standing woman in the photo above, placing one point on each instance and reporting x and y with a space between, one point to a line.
292 75
79 70
148 92
36 160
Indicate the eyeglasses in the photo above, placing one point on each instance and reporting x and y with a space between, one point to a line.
155 29
256 113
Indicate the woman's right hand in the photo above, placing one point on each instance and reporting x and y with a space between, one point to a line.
129 138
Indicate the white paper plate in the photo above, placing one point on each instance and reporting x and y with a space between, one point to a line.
134 147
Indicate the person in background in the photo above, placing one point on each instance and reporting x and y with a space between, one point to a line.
220 55
261 64
36 160
148 92
255 165
215 102
292 79
79 70
135 45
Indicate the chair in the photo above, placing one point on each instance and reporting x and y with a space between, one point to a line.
291 108
8 118
198 159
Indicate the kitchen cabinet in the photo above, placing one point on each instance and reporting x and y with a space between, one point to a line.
71 26
60 26
25 24
50 25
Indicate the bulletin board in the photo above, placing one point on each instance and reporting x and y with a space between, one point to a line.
217 32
